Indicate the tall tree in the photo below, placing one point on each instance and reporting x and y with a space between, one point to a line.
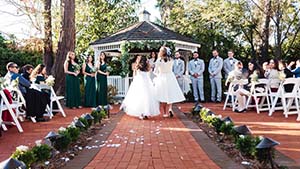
48 45
66 43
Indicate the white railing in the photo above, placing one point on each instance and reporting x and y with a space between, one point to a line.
122 84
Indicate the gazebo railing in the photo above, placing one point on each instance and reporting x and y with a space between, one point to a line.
122 84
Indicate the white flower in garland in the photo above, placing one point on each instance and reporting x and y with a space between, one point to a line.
22 148
242 136
50 81
3 83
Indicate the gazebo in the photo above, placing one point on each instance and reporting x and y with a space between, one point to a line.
145 33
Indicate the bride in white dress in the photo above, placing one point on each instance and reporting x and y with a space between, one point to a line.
167 90
140 99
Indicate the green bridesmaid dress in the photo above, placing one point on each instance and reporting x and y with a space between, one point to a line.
90 88
73 98
102 87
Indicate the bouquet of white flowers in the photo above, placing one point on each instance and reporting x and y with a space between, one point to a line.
77 67
282 76
93 70
254 77
50 81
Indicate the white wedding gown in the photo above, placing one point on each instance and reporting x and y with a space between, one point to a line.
166 86
140 99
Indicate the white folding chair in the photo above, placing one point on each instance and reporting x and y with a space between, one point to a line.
259 92
290 98
19 99
231 92
53 98
5 105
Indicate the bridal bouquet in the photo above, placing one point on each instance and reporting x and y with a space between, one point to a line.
254 77
282 76
50 81
93 70
77 68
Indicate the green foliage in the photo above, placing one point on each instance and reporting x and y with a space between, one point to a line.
103 114
74 133
85 122
28 157
11 53
97 116
112 91
63 141
96 19
217 123
226 128
42 152
246 145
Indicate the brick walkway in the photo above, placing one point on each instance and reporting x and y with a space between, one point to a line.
154 143
277 127
37 131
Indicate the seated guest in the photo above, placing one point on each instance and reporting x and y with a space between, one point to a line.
26 71
266 68
274 75
39 74
295 71
36 101
288 74
244 91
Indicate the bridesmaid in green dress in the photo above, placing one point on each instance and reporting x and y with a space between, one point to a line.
72 70
89 82
101 80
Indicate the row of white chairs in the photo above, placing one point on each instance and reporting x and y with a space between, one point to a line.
15 108
265 99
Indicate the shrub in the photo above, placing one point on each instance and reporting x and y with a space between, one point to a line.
42 152
103 114
85 122
97 116
27 156
63 141
227 128
246 145
74 133
217 123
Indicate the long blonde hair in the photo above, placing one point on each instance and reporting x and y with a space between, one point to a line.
68 59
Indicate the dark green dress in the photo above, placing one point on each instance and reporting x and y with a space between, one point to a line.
90 89
39 79
72 89
102 87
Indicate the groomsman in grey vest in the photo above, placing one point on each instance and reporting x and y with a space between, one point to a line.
215 75
229 63
178 69
196 69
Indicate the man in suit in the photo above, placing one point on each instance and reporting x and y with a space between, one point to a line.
178 69
196 69
229 63
215 75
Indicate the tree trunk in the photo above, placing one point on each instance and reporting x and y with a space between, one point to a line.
266 31
48 46
278 46
66 43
